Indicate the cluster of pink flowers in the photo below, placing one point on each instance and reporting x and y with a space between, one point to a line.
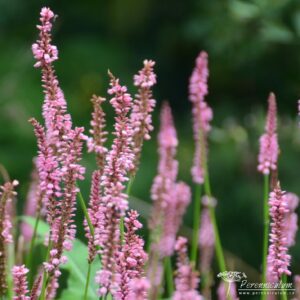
186 281
143 106
278 259
98 123
20 282
202 114
131 259
269 149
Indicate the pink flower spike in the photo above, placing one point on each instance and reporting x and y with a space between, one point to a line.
269 149
20 282
143 105
186 281
202 114
278 258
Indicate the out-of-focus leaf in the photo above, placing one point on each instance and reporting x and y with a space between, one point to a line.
242 10
276 32
77 267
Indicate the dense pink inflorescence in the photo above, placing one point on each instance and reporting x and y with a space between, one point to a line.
186 281
139 289
119 161
202 114
223 291
99 134
269 149
143 105
20 282
131 258
278 259
206 241
60 150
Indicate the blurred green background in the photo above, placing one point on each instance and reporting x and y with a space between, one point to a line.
254 48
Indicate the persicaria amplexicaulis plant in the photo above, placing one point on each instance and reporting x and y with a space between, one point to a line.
116 263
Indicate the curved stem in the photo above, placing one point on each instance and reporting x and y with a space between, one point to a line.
169 275
196 225
87 283
266 221
85 212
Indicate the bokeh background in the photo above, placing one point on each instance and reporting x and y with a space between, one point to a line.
254 48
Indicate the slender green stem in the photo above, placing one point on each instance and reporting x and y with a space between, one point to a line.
266 221
196 221
87 283
169 275
45 276
283 295
85 212
11 263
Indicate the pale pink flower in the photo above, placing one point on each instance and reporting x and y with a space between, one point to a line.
143 105
225 289
278 258
269 149
138 289
291 219
206 241
20 282
186 281
202 114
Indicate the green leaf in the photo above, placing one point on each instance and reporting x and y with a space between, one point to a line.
77 266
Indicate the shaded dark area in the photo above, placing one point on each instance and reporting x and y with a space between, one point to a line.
254 48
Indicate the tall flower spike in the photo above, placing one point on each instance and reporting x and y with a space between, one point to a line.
119 161
98 139
131 258
202 114
142 109
162 194
6 195
278 259
186 281
20 282
269 149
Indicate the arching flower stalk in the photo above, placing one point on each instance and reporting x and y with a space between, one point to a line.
131 259
186 280
20 282
99 134
278 258
114 203
143 105
7 192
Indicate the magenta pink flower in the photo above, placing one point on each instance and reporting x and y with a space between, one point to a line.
202 114
131 257
224 290
138 289
269 149
143 105
206 241
186 281
278 259
98 139
20 282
